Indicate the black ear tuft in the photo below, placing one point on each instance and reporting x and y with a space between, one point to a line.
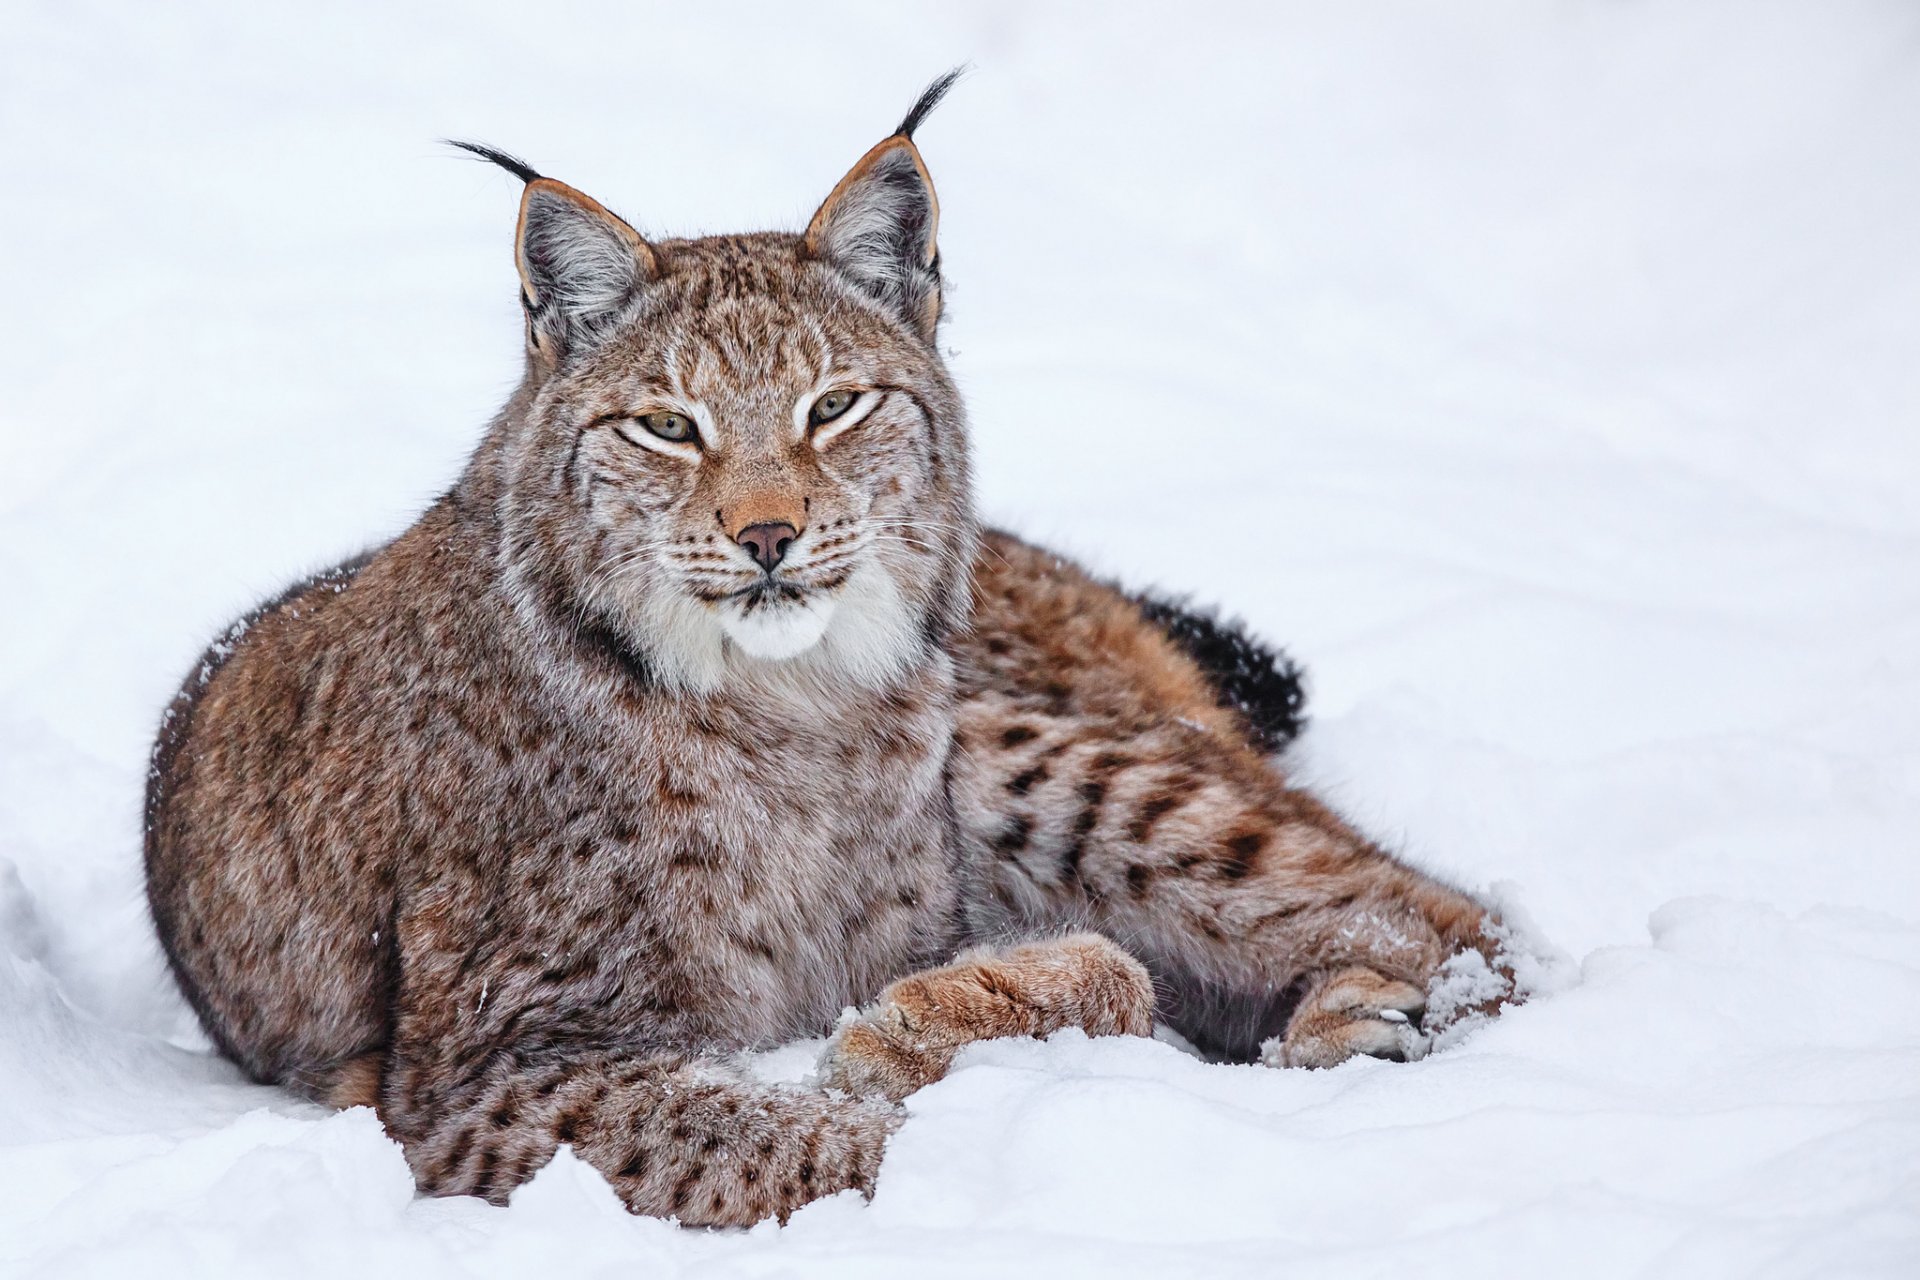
512 164
929 99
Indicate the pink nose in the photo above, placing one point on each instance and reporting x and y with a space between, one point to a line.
767 543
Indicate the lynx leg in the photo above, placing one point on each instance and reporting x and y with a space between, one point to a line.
1244 897
908 1037
1348 1013
675 1137
1112 778
483 1083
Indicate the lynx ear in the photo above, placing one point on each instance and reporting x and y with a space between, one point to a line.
878 227
579 264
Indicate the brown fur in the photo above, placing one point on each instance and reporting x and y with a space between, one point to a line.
519 826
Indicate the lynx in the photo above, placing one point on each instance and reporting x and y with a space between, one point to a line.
700 715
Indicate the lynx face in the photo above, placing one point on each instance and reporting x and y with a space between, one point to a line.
743 454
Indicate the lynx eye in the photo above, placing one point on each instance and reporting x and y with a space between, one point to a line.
830 406
677 427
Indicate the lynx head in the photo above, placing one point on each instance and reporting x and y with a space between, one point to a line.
739 453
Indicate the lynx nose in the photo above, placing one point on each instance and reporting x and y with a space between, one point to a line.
767 543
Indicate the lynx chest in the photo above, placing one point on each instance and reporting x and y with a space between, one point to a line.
725 875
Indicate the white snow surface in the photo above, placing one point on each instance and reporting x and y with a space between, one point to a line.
1543 375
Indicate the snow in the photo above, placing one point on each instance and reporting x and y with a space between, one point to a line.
1542 376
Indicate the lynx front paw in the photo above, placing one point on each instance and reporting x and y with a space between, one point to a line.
906 1039
1349 1013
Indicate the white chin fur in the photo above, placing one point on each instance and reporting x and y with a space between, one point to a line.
778 632
865 633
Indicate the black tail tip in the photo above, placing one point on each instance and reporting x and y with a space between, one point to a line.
929 99
1247 674
511 163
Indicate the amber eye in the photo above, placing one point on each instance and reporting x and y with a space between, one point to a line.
669 426
830 406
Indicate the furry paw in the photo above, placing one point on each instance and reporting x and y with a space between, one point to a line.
907 1038
1348 1013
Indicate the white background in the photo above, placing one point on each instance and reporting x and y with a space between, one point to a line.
1545 376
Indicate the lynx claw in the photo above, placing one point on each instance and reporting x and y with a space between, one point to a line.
1354 1013
874 1057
